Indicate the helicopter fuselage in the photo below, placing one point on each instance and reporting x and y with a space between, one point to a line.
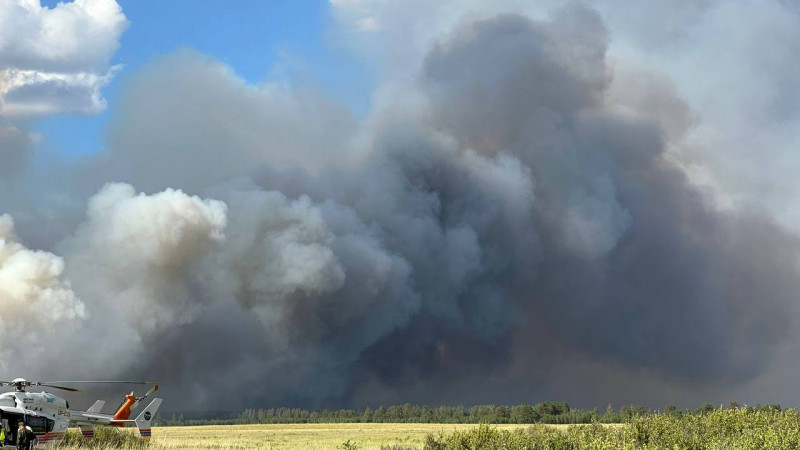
49 415
46 414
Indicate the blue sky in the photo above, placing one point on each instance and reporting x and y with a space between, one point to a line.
260 40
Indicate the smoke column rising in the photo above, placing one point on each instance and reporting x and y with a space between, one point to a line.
513 219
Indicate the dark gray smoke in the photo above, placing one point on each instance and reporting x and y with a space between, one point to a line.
511 229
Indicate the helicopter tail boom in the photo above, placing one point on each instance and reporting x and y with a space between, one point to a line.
146 417
143 421
96 407
124 411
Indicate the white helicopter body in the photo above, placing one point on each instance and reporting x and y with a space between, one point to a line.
49 416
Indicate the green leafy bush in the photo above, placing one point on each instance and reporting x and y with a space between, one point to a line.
734 429
348 445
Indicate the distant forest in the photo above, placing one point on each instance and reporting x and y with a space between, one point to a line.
544 412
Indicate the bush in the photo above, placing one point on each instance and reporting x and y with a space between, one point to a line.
348 445
734 429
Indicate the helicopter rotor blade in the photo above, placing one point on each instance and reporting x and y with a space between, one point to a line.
100 382
58 387
138 399
152 389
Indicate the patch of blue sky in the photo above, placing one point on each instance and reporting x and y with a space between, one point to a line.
260 40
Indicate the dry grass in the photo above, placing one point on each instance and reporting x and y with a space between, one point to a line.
298 436
367 436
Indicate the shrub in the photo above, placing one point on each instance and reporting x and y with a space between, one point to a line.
733 429
348 445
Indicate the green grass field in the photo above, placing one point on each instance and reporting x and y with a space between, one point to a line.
301 436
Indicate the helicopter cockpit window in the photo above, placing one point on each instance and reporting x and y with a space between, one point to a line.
37 424
50 424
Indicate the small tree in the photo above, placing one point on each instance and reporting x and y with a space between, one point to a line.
705 409
367 415
380 414
522 414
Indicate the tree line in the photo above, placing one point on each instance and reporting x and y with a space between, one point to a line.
544 412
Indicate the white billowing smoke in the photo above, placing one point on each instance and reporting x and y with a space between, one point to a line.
151 266
136 246
130 262
37 303
280 250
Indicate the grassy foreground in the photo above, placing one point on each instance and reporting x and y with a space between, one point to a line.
737 429
295 436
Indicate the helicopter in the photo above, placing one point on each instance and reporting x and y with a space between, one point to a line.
49 416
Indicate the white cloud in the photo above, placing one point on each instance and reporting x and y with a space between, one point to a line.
27 93
55 60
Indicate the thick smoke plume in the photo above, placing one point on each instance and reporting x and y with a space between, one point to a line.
33 297
513 226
